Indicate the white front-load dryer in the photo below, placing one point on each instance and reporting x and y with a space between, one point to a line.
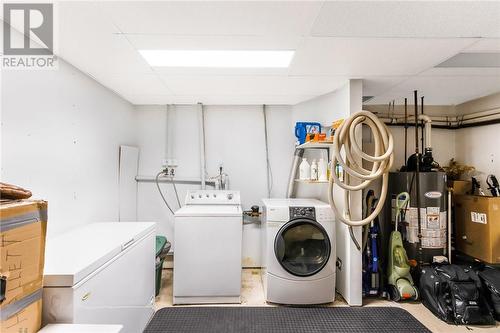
298 251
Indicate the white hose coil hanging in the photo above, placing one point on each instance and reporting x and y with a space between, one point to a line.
344 139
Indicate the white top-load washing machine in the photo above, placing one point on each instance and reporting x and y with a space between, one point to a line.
207 248
298 251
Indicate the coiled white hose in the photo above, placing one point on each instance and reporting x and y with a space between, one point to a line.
356 177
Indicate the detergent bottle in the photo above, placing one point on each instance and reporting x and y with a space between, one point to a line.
322 170
314 170
305 170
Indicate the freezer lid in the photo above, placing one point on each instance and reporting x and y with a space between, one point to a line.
209 210
72 256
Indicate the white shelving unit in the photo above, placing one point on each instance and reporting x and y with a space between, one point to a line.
292 181
315 145
303 181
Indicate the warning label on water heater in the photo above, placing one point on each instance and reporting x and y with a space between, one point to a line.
478 217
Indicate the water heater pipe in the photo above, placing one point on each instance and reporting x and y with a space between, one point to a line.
428 126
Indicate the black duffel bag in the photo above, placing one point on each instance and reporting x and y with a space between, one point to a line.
454 294
490 278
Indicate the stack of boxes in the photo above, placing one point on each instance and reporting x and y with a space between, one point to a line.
477 223
23 226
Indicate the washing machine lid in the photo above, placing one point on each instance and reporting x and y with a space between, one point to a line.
72 256
209 211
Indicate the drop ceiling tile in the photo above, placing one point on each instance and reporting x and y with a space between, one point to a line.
213 17
485 45
135 84
176 42
473 60
442 90
372 56
374 86
252 85
89 41
90 37
150 99
250 99
206 71
219 99
408 19
447 71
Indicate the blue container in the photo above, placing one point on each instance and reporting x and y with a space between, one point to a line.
304 128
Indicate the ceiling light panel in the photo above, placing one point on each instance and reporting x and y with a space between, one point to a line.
218 58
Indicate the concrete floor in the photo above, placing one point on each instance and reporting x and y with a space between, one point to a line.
252 294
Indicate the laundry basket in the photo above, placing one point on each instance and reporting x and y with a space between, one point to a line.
162 248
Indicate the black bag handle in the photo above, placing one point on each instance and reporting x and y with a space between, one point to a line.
3 288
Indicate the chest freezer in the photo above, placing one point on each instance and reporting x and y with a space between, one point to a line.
101 273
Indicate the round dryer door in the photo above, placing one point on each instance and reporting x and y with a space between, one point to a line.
302 247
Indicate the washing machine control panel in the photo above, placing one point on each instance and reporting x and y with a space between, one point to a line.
213 197
307 212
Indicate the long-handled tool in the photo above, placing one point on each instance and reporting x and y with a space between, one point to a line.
372 285
400 282
476 187
493 185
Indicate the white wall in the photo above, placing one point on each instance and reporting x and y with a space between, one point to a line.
234 137
325 109
443 145
443 140
473 146
480 146
61 132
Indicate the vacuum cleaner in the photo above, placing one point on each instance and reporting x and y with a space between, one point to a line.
400 283
372 272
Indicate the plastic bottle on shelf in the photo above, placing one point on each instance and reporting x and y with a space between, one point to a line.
329 169
322 170
305 170
314 170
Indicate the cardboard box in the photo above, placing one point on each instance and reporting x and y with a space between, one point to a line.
23 226
477 223
461 187
23 316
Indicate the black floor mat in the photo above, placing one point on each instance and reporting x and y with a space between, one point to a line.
284 319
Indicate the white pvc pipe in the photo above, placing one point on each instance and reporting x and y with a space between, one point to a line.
202 147
428 125
167 137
